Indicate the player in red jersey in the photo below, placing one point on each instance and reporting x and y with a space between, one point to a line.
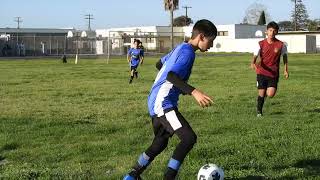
270 51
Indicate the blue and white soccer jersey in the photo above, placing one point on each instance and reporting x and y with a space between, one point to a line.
135 55
164 95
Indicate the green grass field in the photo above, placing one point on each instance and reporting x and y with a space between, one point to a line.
84 121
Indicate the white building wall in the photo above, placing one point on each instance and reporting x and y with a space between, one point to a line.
234 45
229 28
318 42
299 43
241 38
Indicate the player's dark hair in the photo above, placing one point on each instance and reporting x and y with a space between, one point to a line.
136 41
273 25
206 27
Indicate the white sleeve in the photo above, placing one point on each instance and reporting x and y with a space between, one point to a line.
284 50
256 50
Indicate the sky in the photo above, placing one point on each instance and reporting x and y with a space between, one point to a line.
125 13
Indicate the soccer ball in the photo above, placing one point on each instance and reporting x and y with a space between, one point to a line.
210 172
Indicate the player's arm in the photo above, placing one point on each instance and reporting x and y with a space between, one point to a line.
284 53
179 83
202 99
128 56
256 53
141 57
253 62
180 69
159 65
161 61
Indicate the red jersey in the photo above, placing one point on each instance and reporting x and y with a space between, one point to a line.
270 58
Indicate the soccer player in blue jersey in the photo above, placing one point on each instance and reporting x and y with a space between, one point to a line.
171 81
135 58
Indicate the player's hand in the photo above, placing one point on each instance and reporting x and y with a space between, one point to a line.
253 66
286 74
202 99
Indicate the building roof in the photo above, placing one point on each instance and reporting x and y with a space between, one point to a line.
299 32
35 30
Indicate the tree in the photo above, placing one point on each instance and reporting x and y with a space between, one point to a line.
285 26
254 12
182 21
262 19
299 16
314 25
171 5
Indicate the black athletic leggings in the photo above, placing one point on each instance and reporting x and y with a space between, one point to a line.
163 131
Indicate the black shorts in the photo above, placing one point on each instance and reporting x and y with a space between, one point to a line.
171 121
263 82
134 68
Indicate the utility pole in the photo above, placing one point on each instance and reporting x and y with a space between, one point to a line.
18 20
89 17
186 7
295 15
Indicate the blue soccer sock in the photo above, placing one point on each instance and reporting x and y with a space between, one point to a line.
143 161
173 168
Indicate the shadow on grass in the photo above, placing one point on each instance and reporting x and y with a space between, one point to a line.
9 147
277 113
316 110
311 167
247 178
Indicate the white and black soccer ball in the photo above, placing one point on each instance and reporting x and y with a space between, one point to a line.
210 172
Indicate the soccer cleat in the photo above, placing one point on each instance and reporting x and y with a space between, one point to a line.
130 81
259 115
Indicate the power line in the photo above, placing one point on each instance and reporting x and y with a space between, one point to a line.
89 17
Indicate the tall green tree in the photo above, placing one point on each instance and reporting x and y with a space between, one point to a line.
262 19
314 25
171 5
285 25
182 21
299 15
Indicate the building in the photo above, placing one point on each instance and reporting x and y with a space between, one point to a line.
231 38
32 41
155 39
46 42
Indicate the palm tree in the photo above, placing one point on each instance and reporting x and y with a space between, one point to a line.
171 5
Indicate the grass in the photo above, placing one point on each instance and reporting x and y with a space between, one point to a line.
84 121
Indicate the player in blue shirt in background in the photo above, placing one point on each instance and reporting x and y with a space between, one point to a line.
135 58
171 81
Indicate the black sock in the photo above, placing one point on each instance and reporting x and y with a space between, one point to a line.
260 102
170 174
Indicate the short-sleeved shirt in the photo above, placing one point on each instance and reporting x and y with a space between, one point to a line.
135 55
270 55
163 94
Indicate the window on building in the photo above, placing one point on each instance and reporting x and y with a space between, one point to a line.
223 33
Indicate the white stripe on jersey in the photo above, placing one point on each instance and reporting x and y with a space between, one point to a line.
162 93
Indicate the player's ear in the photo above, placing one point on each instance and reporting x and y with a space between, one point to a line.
201 36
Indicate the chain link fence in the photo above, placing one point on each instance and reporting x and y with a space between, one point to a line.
116 44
